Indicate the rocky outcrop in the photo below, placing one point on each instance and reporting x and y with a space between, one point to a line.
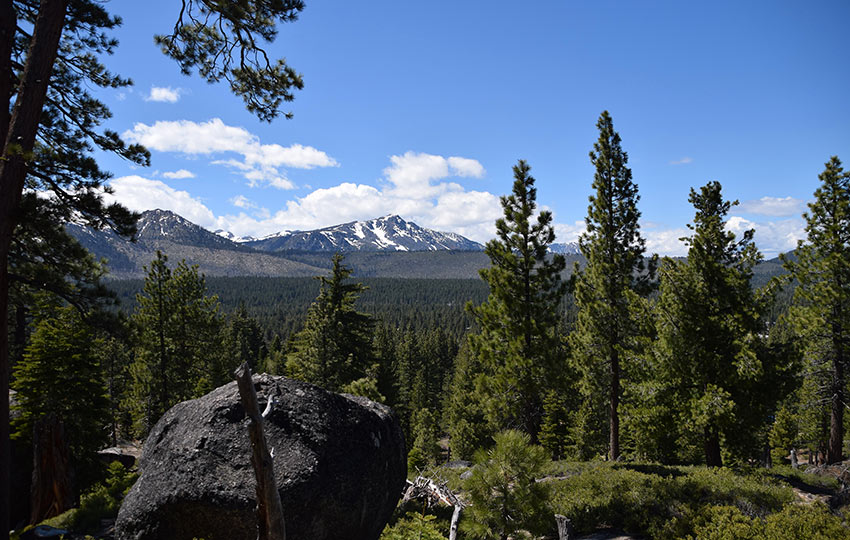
339 466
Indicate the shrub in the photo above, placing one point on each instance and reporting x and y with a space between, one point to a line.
104 500
413 526
505 495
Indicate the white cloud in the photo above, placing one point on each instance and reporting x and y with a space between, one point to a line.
771 206
260 163
241 201
140 194
682 161
566 232
417 187
180 174
666 242
466 167
164 94
771 237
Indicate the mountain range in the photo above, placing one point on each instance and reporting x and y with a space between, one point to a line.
290 253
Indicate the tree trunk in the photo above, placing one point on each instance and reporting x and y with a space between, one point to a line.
565 527
8 23
712 447
614 416
51 492
269 509
18 142
455 520
834 451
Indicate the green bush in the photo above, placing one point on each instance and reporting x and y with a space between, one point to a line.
813 522
663 502
104 500
413 526
794 522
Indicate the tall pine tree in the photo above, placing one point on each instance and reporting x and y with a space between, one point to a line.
708 324
822 299
60 375
519 346
177 330
335 346
604 338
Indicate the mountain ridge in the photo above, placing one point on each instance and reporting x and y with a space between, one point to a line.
386 233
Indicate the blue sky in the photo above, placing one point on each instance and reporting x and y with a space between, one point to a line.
421 109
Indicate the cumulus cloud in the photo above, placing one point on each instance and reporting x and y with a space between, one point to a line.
164 94
241 201
178 175
416 186
665 242
569 232
260 164
771 237
682 161
140 194
771 206
466 167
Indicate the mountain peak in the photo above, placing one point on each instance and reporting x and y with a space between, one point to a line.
386 233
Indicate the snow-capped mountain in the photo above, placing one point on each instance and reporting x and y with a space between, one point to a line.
388 233
232 237
162 225
568 248
181 239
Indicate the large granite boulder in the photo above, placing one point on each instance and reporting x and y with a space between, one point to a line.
339 463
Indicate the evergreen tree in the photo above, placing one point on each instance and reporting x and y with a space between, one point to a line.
425 435
519 346
604 338
335 346
822 298
503 490
241 341
177 329
708 324
60 375
463 415
114 357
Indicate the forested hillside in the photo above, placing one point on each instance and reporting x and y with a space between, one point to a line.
280 304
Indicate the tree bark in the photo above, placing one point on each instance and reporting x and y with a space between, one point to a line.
269 509
712 447
834 451
8 24
614 417
455 520
565 527
19 140
51 492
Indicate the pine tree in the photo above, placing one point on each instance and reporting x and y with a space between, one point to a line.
177 329
241 341
822 299
503 490
60 375
463 414
708 323
604 338
519 346
335 346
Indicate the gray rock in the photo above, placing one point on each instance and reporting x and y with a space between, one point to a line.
339 464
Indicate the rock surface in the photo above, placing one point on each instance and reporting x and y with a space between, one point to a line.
339 465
